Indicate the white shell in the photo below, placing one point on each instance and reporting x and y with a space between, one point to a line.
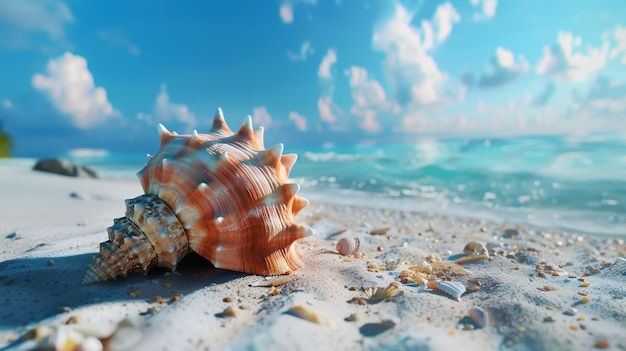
348 246
452 289
479 316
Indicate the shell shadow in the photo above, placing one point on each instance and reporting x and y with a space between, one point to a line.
37 288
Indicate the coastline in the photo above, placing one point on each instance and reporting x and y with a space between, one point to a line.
50 235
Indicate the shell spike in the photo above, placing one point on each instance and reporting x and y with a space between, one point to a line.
258 136
165 134
219 123
194 136
288 161
246 131
298 204
282 194
271 157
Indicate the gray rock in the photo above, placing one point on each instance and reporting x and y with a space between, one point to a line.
64 167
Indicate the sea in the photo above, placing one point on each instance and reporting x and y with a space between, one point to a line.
574 183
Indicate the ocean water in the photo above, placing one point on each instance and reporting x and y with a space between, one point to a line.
573 183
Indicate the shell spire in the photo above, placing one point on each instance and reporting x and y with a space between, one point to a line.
227 200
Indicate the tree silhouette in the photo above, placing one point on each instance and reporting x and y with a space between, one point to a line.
5 142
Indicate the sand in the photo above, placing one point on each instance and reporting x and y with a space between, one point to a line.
541 289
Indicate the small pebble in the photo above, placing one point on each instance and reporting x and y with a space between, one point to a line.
602 344
50 262
228 299
230 312
570 311
548 319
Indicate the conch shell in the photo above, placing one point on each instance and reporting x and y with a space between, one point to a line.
220 194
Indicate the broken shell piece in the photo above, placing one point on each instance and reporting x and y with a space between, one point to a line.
422 267
452 289
548 269
380 294
473 258
380 231
308 314
570 311
277 281
230 312
475 248
348 246
479 316
354 317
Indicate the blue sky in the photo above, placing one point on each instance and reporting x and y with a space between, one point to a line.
100 75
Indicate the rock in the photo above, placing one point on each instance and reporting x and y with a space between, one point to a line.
64 167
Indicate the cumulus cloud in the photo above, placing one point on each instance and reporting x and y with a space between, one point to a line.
20 18
564 61
620 36
286 9
445 17
305 50
7 104
286 12
116 38
608 95
324 71
165 110
325 105
503 69
487 8
299 120
261 117
409 68
369 98
70 87
326 108
544 97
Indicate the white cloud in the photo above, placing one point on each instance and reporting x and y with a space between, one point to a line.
487 8
326 65
410 70
445 16
305 50
7 104
165 110
286 12
299 120
24 16
563 61
70 87
503 69
261 117
286 9
369 98
620 36
116 38
325 107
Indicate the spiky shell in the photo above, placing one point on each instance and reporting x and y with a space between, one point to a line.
220 194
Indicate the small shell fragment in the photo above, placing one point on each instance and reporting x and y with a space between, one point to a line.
380 231
474 248
230 312
479 316
381 294
308 314
452 289
348 246
277 281
473 258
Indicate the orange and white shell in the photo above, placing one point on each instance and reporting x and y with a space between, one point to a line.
220 194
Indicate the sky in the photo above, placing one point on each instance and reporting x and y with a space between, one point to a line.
98 76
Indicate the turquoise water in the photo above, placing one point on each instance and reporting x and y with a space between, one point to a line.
575 183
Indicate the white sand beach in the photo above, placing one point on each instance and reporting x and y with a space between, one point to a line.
541 289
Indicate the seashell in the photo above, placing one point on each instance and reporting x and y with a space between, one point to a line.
479 316
474 258
475 248
348 246
381 294
277 281
452 289
308 314
219 194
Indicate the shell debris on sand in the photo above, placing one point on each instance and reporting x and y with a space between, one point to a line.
309 314
479 316
275 281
